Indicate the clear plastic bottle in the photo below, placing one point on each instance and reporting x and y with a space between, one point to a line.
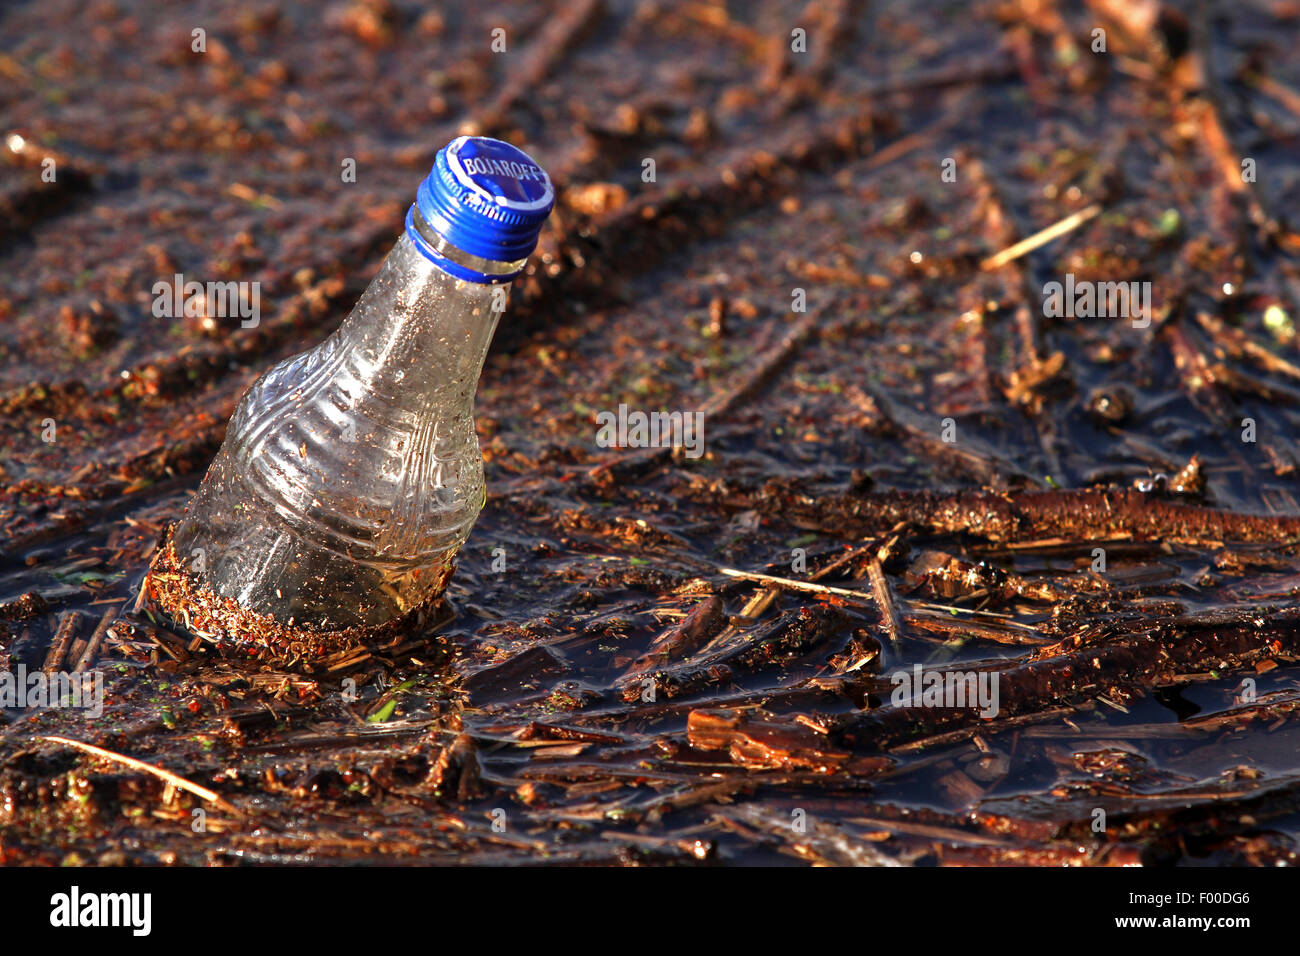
351 474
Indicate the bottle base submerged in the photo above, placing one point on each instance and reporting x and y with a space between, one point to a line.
235 630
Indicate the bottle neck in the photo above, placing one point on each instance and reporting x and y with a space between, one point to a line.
443 253
418 335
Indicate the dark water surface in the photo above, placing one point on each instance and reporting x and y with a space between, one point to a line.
769 736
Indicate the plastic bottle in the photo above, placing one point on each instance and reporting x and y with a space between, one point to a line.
351 474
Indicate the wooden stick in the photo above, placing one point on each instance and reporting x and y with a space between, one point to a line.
885 602
1234 340
92 647
68 622
797 585
1040 238
166 775
766 366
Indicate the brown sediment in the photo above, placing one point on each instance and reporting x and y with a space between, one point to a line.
222 621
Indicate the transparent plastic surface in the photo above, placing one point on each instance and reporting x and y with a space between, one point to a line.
351 474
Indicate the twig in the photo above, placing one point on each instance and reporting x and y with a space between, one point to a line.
1196 376
544 54
92 647
885 602
1040 238
165 775
881 413
797 585
1237 342
1051 676
68 622
754 608
767 366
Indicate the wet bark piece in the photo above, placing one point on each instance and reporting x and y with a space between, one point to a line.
69 622
751 650
1062 675
457 771
1085 515
774 744
680 641
527 673
25 606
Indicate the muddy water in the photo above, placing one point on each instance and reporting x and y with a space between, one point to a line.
593 711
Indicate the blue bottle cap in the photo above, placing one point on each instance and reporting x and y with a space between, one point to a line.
486 199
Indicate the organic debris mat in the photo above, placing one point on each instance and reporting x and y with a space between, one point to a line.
923 470
171 589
